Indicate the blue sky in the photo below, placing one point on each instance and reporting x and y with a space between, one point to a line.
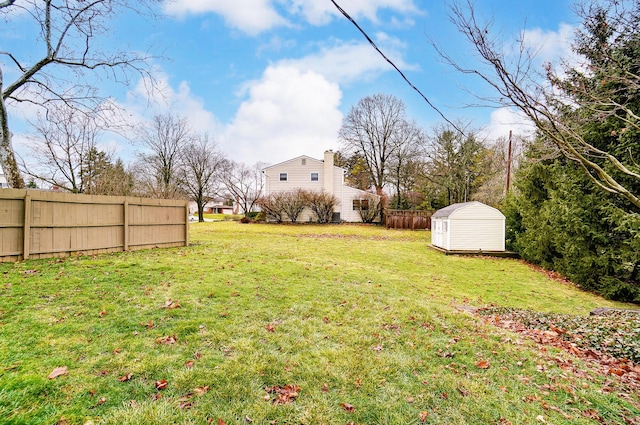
272 79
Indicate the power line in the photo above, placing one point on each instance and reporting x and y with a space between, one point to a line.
373 44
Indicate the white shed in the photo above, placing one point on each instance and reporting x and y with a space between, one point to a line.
468 226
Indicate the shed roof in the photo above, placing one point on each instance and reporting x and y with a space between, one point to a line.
446 212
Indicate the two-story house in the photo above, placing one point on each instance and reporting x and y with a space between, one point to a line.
317 175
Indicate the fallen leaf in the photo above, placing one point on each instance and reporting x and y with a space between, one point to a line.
269 327
201 390
103 400
221 422
148 325
197 355
185 404
423 416
248 420
482 364
325 388
161 384
348 407
189 364
167 340
169 304
285 394
592 414
59 371
464 391
125 378
103 313
410 399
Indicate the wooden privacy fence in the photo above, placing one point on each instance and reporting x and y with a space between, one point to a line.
407 219
40 224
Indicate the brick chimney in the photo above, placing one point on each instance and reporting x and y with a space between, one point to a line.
328 172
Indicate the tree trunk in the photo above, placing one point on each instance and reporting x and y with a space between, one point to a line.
7 156
200 210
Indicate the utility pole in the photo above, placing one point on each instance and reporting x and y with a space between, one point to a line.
509 164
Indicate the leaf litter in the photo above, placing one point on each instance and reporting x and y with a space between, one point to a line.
610 341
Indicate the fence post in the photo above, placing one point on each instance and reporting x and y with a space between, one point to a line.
125 225
186 225
26 229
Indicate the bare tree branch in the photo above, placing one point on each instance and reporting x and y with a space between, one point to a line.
554 114
70 31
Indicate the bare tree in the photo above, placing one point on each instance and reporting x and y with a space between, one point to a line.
562 105
68 33
244 183
374 128
65 149
200 171
158 167
404 163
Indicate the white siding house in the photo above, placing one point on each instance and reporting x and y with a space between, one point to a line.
317 175
468 226
3 180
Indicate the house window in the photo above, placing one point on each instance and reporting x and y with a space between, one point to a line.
360 204
314 177
283 177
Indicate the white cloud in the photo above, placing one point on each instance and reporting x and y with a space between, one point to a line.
322 12
256 16
143 103
349 62
504 120
250 16
550 46
289 112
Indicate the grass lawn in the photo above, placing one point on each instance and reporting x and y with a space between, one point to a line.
281 324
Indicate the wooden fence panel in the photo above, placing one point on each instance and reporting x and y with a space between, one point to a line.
408 219
39 224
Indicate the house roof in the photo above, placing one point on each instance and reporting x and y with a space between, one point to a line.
293 159
446 212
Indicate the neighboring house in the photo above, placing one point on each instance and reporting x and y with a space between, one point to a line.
217 206
317 175
3 180
468 226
